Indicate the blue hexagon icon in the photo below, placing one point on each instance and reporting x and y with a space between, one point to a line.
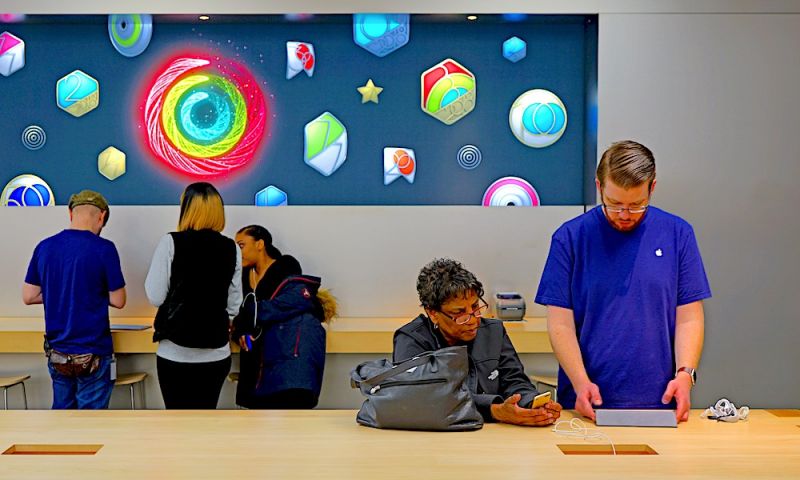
272 196
515 49
381 33
77 93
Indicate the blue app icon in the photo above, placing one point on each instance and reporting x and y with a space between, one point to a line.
380 33
515 49
271 196
77 93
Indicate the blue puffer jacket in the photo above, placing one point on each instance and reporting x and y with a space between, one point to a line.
292 336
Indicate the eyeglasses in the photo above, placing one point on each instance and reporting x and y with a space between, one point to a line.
465 317
632 210
618 210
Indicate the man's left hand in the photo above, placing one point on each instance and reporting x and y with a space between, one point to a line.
680 388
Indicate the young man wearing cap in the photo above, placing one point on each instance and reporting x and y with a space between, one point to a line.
624 286
77 275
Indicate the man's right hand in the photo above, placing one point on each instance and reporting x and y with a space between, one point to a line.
587 397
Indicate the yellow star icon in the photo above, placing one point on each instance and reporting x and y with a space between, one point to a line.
369 92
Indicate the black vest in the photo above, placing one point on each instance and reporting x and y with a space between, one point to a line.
194 313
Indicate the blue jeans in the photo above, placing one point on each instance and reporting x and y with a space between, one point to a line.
85 392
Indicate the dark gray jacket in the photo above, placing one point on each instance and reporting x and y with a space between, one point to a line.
495 371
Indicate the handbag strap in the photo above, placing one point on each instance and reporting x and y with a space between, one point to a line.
400 367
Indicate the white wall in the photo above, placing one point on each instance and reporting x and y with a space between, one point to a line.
716 98
368 256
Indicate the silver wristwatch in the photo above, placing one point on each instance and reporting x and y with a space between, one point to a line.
691 371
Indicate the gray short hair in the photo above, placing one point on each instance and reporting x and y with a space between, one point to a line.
443 279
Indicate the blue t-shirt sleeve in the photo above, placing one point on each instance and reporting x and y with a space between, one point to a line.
33 277
554 287
692 280
113 269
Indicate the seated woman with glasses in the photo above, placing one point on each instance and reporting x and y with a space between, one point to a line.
454 309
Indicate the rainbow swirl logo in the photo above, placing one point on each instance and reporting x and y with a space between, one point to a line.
203 120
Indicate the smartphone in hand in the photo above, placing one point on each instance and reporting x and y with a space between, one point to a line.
540 400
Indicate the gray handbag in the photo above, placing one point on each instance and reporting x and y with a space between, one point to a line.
428 392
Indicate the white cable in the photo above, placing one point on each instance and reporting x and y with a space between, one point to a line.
578 429
255 315
725 411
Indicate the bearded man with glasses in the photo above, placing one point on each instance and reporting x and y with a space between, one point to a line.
624 286
452 299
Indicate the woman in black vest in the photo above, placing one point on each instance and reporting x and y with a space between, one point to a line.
279 327
195 281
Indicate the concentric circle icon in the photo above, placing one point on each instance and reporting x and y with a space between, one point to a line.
130 34
204 121
538 118
510 192
27 191
469 157
33 137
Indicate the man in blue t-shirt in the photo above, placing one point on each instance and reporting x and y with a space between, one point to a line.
623 285
77 275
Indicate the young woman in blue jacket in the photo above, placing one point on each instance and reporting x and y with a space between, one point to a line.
279 327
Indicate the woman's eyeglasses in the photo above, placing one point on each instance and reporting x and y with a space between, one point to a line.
463 318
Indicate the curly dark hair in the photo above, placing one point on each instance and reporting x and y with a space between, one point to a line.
443 279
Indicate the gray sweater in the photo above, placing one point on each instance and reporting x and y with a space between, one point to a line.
157 286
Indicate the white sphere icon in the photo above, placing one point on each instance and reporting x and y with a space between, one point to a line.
538 118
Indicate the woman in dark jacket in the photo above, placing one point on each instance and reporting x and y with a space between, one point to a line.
451 297
279 327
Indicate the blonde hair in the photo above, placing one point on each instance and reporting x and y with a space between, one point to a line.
627 164
330 307
201 208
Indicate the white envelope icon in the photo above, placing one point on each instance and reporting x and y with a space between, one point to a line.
299 57
398 162
12 53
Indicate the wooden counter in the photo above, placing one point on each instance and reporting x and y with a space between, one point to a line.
345 335
329 444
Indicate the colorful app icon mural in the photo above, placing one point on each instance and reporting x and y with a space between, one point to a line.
381 34
111 163
399 162
204 120
271 196
510 192
325 144
12 53
77 93
448 91
27 191
130 34
299 58
538 118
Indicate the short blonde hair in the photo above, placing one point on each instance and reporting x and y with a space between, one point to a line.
627 164
201 208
